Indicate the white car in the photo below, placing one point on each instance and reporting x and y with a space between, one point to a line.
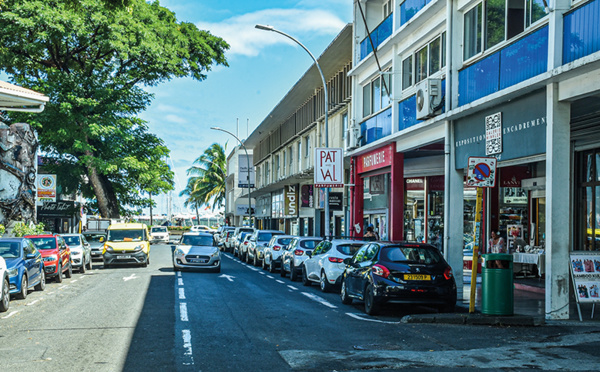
197 251
326 263
274 250
81 251
203 228
4 286
159 234
295 254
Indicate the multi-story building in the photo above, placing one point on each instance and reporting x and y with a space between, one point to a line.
436 82
236 190
285 141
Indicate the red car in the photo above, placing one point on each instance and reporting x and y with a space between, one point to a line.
56 255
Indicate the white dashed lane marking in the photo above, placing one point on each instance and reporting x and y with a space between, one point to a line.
270 277
356 316
292 287
320 300
280 281
187 345
181 294
33 302
183 314
179 281
9 315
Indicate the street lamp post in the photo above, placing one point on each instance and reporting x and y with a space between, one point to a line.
247 174
271 28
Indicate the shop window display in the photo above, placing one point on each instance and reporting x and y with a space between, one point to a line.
587 228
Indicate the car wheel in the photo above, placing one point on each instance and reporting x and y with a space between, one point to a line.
42 284
59 277
90 264
305 281
346 300
271 266
23 293
254 260
218 269
82 268
5 300
68 274
324 283
263 265
282 270
293 273
371 305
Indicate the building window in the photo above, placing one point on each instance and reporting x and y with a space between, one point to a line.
299 156
388 8
493 21
306 146
407 70
344 126
587 234
427 61
377 94
284 173
267 173
276 169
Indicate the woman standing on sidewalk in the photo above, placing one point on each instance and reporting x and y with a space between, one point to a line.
496 244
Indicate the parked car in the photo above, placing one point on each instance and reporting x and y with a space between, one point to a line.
242 247
237 236
228 241
325 264
257 243
203 228
4 287
274 250
295 254
56 255
220 235
197 251
127 243
159 234
96 240
24 265
81 251
410 273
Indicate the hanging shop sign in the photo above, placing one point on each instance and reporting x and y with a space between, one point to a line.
510 131
46 188
329 167
481 172
245 173
376 159
291 200
60 208
336 201
308 196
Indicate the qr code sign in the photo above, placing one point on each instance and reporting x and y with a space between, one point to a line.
493 134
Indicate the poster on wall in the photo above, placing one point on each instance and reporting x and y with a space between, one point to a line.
585 269
46 188
308 199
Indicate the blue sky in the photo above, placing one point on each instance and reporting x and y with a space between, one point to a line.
263 66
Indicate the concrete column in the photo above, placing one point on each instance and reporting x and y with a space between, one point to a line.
396 215
558 209
357 202
453 211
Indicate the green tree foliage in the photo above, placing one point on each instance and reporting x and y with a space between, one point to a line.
93 61
206 184
22 229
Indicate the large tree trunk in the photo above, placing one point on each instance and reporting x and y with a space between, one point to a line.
197 213
107 201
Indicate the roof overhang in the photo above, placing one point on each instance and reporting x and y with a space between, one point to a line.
16 98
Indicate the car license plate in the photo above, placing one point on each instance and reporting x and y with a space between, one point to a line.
197 260
124 256
417 277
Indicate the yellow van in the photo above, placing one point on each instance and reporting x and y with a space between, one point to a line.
126 243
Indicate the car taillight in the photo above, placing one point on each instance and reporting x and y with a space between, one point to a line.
245 243
298 252
380 270
448 273
336 260
276 248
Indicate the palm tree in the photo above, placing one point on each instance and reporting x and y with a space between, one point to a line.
206 184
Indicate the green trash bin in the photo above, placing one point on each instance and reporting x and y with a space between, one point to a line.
497 296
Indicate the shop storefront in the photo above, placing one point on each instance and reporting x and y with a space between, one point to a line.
424 210
59 217
514 133
378 193
263 211
305 226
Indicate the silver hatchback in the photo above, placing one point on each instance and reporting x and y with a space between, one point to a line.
294 255
197 251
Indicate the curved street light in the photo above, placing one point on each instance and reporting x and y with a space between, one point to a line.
271 28
247 174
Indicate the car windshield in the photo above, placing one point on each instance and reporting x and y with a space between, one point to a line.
72 240
95 238
196 240
44 243
243 236
309 244
284 241
265 236
422 255
349 249
9 249
159 229
128 235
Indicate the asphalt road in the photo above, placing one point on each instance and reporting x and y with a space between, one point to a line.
245 319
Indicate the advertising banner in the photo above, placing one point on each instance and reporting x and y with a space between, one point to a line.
329 167
336 201
585 269
291 200
46 188
308 196
243 162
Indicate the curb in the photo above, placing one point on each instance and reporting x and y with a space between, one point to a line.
475 319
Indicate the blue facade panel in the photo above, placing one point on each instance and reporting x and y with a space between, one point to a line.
376 127
581 32
524 59
479 79
407 113
409 8
379 35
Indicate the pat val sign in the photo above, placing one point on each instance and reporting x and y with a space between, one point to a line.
510 131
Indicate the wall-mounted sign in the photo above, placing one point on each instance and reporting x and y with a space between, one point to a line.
60 208
242 210
336 201
243 162
46 188
493 134
329 167
308 196
375 159
291 200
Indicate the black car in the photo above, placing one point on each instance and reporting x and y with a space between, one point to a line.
409 273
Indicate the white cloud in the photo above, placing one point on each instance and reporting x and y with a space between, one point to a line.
244 39
175 119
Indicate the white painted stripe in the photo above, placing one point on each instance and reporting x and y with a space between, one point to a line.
74 280
49 293
179 281
187 346
270 277
64 286
179 273
183 314
33 302
279 281
9 315
261 273
320 300
181 294
252 268
356 316
292 287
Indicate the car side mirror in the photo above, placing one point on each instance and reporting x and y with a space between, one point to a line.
347 261
309 253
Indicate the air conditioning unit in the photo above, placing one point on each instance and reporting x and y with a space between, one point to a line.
429 97
352 138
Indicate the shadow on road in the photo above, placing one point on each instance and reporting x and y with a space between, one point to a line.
153 341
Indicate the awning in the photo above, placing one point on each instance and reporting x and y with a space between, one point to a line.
16 98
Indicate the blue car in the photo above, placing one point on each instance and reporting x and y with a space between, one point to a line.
24 265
